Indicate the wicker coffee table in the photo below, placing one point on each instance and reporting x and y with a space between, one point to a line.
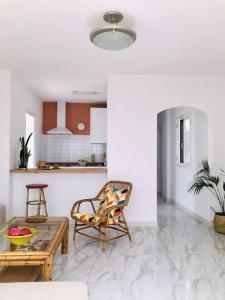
27 262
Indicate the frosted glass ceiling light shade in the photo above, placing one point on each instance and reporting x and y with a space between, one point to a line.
114 37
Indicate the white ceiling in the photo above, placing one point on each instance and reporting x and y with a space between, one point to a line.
46 42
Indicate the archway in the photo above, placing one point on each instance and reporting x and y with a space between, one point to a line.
182 142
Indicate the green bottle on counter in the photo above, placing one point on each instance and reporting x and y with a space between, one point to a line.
93 158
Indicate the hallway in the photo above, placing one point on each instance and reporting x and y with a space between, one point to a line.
182 259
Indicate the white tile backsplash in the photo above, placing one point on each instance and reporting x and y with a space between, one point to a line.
70 148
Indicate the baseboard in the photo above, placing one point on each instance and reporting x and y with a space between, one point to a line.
191 213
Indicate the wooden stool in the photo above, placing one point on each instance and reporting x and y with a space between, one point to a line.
40 201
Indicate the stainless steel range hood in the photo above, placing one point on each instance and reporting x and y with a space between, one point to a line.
61 120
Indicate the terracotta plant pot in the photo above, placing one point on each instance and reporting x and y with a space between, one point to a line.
219 221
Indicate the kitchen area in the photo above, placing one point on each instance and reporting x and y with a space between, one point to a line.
72 158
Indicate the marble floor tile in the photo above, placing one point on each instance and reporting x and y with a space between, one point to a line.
182 259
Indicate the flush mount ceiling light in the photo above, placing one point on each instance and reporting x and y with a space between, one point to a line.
113 37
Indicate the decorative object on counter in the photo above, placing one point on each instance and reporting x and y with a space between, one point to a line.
81 126
20 235
93 158
56 167
47 167
82 162
25 153
112 199
41 164
203 179
104 158
40 202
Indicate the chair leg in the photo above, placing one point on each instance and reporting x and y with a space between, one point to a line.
127 229
74 232
99 232
39 204
27 203
44 202
105 238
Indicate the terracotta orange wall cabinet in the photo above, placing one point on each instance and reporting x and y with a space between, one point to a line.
79 113
75 113
49 116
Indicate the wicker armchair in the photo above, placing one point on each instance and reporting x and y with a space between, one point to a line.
107 214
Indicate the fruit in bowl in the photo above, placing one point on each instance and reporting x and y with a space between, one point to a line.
82 162
25 231
20 235
14 231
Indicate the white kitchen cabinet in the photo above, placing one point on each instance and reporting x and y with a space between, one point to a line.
98 125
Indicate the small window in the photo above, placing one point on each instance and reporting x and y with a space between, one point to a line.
183 140
30 128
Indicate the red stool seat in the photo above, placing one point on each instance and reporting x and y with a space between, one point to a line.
36 186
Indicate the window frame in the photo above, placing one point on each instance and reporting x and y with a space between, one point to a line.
27 112
179 118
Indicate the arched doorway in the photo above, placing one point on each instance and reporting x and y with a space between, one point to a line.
182 142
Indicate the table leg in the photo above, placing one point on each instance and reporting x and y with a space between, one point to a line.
65 241
47 269
13 247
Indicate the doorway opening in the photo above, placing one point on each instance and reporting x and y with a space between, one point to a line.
182 142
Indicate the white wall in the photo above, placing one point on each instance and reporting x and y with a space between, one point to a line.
182 175
15 100
133 104
23 100
5 89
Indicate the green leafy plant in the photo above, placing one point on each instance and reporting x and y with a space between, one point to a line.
25 153
203 179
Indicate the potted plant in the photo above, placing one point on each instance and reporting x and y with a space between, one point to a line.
203 179
25 153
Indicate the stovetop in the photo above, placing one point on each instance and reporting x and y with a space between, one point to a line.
74 164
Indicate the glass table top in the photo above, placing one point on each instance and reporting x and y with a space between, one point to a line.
45 233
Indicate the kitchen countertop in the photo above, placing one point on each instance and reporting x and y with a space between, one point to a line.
62 170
